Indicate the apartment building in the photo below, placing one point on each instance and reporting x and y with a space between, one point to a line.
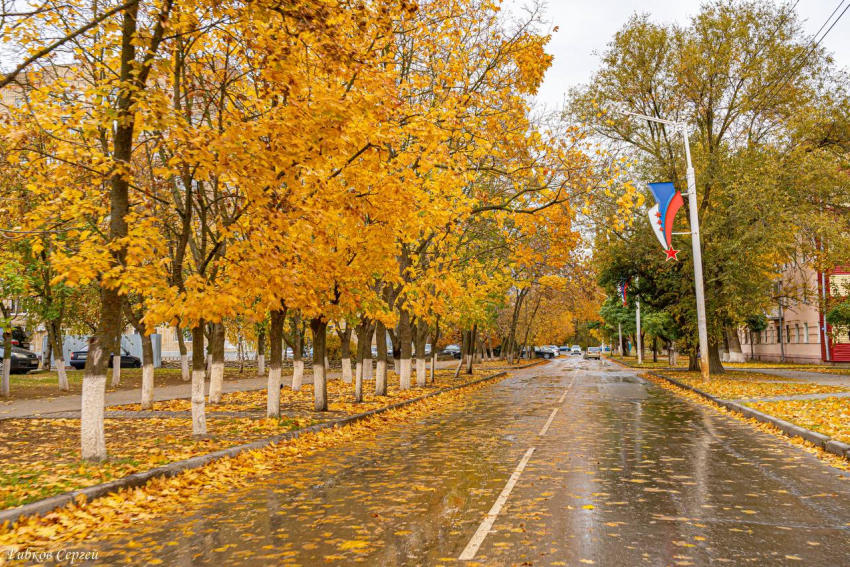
797 331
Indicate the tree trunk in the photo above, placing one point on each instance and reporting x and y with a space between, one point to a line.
363 343
297 353
394 351
464 346
147 372
345 349
320 386
473 346
116 362
715 365
7 359
435 340
736 354
184 355
261 352
217 364
273 388
54 338
368 369
381 370
421 339
404 339
654 348
199 419
133 79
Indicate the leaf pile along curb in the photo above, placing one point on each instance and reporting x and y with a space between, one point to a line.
824 442
41 507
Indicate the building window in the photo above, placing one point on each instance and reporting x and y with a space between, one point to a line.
787 333
797 333
806 331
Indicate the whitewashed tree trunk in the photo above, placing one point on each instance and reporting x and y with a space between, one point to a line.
434 367
346 370
116 370
397 366
63 374
199 418
404 374
4 381
147 373
217 363
381 378
381 370
273 386
261 365
297 375
54 338
320 386
358 384
92 439
273 394
368 369
184 368
421 377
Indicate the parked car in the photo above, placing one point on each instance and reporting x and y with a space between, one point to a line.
78 359
555 348
593 352
453 350
575 349
564 348
545 352
23 360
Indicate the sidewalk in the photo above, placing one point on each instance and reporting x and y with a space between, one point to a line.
814 377
37 407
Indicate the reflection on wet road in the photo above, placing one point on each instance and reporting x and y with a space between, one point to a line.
623 473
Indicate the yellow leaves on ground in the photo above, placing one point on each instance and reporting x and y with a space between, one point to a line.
43 457
830 416
743 385
109 516
807 446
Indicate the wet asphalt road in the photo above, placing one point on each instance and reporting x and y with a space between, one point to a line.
623 473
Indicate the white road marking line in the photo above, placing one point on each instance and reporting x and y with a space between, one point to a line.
564 395
472 547
548 423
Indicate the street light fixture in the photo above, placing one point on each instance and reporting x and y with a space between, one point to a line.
695 240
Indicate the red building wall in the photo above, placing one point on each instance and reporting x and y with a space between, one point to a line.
839 349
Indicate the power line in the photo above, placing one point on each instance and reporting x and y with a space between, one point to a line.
794 67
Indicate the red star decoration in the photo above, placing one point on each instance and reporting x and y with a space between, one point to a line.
671 254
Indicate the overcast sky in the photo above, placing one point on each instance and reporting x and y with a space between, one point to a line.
586 26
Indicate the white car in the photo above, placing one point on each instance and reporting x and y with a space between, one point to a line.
575 349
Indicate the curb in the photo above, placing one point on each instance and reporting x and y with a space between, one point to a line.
41 507
823 441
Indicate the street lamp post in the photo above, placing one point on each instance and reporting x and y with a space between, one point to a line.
695 240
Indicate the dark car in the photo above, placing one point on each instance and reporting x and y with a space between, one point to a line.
23 360
545 352
452 350
78 359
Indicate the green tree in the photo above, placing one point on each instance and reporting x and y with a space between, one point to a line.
757 99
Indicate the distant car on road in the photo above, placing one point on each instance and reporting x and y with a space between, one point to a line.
546 352
593 352
78 359
564 348
23 360
575 349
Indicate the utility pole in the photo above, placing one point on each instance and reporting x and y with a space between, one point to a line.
638 338
620 329
695 240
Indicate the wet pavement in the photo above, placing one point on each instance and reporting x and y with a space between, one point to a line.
575 462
